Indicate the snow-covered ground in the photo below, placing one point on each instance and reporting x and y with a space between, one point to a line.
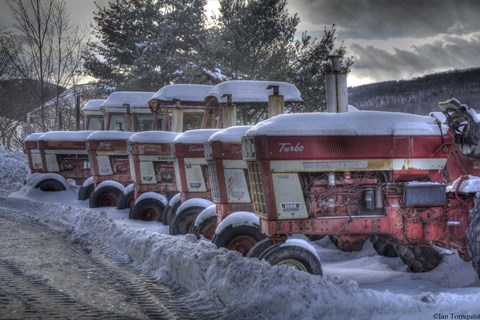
357 285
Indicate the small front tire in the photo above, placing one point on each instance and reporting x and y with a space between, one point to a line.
295 256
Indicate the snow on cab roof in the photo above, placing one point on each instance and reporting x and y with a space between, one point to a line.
138 101
195 136
363 123
33 136
110 135
250 91
230 135
93 105
182 92
65 135
153 137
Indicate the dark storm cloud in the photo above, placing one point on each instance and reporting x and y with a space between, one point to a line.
451 52
383 19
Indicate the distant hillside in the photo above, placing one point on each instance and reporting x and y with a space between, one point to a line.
20 96
419 95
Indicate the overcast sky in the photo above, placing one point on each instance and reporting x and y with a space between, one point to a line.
389 39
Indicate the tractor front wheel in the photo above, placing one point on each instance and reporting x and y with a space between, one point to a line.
473 234
419 258
295 256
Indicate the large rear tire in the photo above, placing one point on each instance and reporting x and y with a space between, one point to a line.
170 212
473 234
147 209
239 238
206 228
344 243
383 247
50 185
419 258
106 196
84 193
259 248
126 200
295 256
183 220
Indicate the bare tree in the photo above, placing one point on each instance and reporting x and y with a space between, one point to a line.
50 50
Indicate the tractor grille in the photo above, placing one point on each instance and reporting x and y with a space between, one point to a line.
212 173
256 188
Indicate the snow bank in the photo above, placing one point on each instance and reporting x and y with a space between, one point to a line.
13 171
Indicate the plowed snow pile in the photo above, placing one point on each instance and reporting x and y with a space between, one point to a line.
249 288
13 170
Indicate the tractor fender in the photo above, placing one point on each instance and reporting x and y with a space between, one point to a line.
152 195
239 218
110 183
128 189
196 202
87 182
174 200
210 211
38 179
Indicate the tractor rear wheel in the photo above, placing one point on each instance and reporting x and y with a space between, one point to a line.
147 209
183 220
104 197
126 200
419 258
84 193
239 238
295 256
259 248
383 247
51 185
206 228
473 234
170 212
345 244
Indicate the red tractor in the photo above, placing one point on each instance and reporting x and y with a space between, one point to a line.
125 112
151 159
224 98
350 176
62 155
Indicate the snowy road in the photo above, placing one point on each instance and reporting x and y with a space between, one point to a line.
45 274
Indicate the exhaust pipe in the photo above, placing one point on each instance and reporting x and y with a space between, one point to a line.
336 87
275 102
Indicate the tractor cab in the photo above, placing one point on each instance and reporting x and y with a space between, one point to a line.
32 150
92 115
